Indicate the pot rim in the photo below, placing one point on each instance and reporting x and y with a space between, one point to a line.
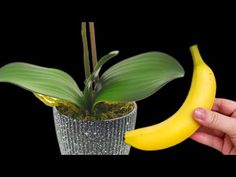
107 120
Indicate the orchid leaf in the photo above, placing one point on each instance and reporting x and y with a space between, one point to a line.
46 81
99 65
138 77
103 60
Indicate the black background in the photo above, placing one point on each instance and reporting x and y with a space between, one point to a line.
49 35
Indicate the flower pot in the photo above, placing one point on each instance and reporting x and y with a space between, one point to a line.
106 137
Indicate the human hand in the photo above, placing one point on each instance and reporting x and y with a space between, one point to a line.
218 126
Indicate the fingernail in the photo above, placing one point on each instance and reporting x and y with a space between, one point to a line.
199 113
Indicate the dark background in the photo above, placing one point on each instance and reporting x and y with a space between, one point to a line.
49 35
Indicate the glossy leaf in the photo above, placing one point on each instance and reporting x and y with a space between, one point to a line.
103 60
99 65
138 77
46 81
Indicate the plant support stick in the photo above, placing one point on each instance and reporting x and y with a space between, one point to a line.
93 43
86 52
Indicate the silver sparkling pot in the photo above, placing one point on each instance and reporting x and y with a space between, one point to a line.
106 137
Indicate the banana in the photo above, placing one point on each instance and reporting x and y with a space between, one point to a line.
181 124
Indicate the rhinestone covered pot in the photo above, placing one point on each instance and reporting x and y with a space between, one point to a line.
106 137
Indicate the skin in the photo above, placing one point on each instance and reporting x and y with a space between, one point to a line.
218 126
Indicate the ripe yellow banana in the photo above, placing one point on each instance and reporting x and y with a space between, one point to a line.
180 125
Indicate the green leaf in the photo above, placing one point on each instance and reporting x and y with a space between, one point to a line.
88 98
103 60
47 81
99 65
138 77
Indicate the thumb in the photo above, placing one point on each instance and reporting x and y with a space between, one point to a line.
215 120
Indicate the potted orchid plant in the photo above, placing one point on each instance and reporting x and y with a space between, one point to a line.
94 120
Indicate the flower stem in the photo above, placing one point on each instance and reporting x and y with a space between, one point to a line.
88 91
93 43
86 51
